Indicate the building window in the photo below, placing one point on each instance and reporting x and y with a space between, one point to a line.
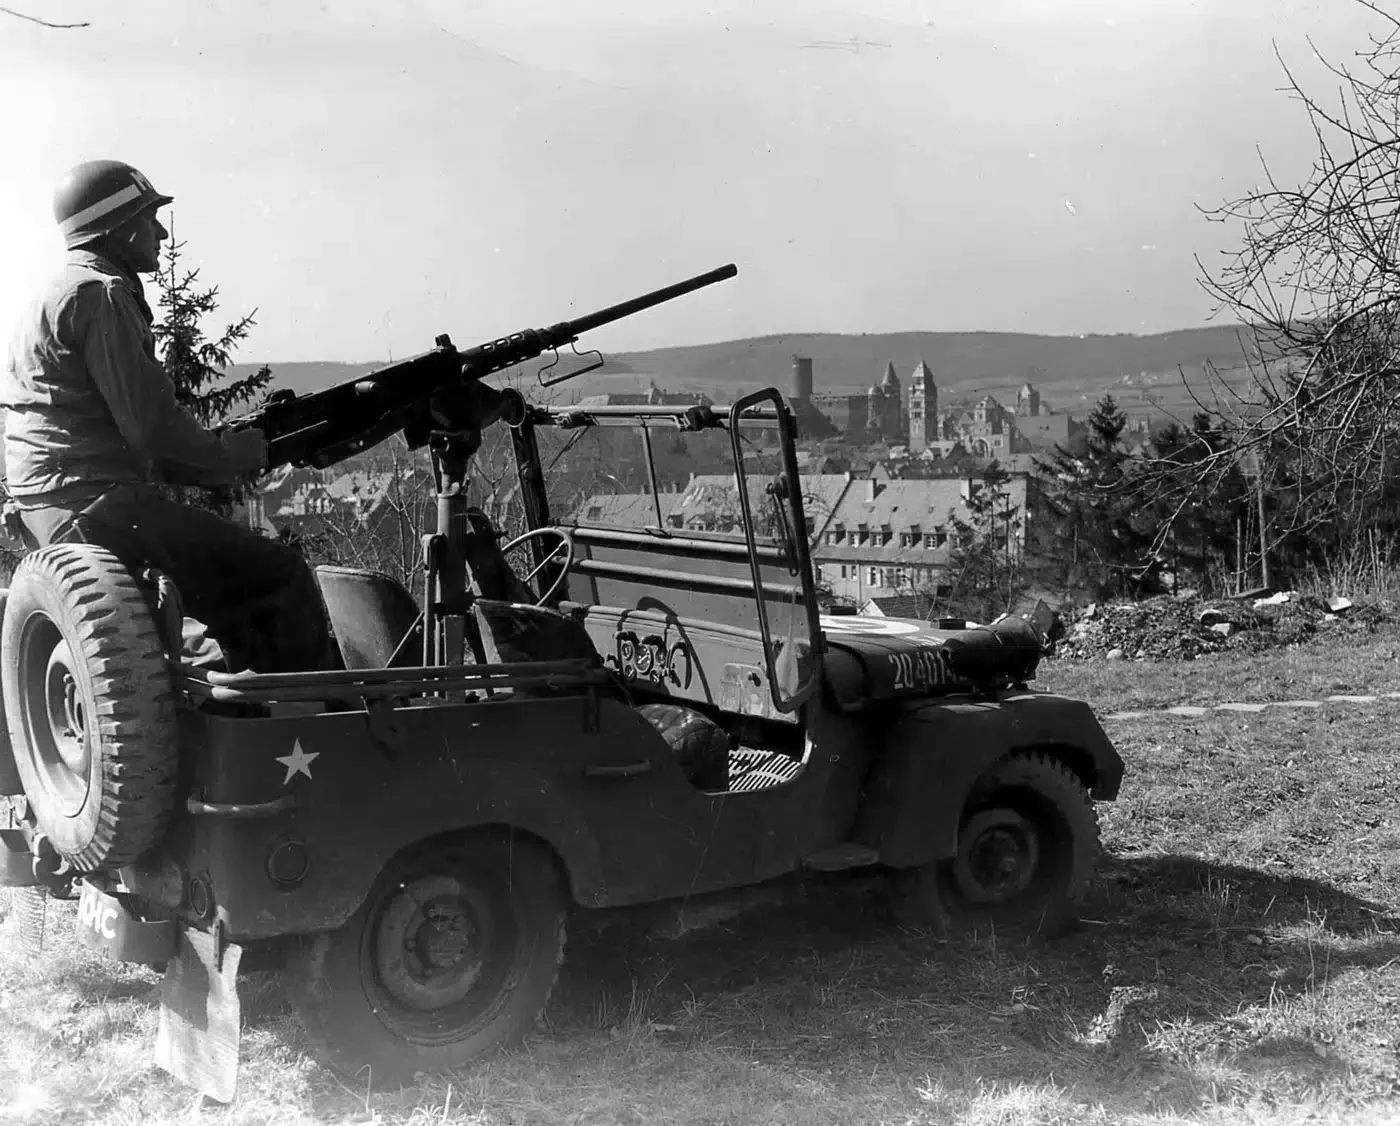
862 533
885 534
873 578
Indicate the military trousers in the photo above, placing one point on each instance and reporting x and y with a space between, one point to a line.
257 597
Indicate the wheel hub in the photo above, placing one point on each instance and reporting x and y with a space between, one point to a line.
56 730
431 943
999 857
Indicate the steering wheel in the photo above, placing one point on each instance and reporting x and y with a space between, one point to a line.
566 544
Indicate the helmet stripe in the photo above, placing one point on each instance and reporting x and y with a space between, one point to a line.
100 208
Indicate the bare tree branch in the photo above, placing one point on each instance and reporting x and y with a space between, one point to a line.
1316 280
41 23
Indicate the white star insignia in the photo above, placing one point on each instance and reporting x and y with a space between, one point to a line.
298 762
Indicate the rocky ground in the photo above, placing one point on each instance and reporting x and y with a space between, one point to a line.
1183 627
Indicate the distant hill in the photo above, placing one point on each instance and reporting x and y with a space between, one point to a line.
1144 373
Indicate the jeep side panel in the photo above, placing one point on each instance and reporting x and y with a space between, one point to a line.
935 753
590 777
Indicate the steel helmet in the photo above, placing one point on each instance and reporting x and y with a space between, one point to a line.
98 196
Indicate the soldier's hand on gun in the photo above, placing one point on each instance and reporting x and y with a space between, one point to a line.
248 449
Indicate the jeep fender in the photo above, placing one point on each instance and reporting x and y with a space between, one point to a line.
935 753
362 806
502 794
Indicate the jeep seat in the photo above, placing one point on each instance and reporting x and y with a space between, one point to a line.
371 617
512 632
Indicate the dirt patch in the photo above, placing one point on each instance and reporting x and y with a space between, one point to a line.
1182 628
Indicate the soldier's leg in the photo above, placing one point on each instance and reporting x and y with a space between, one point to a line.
258 597
120 535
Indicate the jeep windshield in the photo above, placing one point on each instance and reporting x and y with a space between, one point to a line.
682 508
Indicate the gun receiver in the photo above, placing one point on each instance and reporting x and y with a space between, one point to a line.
437 390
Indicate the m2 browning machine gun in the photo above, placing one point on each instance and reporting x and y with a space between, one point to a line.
436 391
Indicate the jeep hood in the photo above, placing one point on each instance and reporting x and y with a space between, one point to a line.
870 659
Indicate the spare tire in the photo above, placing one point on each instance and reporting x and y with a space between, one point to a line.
90 705
701 746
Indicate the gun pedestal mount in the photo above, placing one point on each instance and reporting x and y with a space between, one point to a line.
450 587
445 595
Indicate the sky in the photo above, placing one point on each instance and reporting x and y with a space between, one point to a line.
368 175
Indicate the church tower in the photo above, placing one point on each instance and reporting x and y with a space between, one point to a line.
923 409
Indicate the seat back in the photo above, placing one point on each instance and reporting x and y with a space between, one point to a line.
511 632
371 615
488 573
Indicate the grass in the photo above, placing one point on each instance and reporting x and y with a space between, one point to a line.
1352 662
1239 962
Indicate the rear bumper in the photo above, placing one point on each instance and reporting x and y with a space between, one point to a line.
103 923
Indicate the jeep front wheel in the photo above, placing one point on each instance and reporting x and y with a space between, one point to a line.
453 954
1028 843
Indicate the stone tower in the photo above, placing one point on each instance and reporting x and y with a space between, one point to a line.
923 409
886 411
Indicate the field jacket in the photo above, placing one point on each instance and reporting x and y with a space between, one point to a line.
87 405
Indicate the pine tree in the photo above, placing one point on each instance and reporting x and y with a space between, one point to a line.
1200 517
984 573
1090 499
197 364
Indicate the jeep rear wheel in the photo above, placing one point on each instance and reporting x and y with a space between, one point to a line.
1028 843
90 705
453 954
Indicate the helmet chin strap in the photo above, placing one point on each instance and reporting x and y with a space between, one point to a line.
117 247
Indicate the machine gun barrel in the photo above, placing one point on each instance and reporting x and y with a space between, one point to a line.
425 392
646 301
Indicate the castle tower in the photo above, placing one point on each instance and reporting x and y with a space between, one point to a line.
987 411
886 410
923 409
1028 401
801 378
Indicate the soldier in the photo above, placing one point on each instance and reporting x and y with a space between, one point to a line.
92 427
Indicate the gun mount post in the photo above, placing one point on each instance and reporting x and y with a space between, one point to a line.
448 560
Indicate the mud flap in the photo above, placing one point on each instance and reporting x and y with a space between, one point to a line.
199 1015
